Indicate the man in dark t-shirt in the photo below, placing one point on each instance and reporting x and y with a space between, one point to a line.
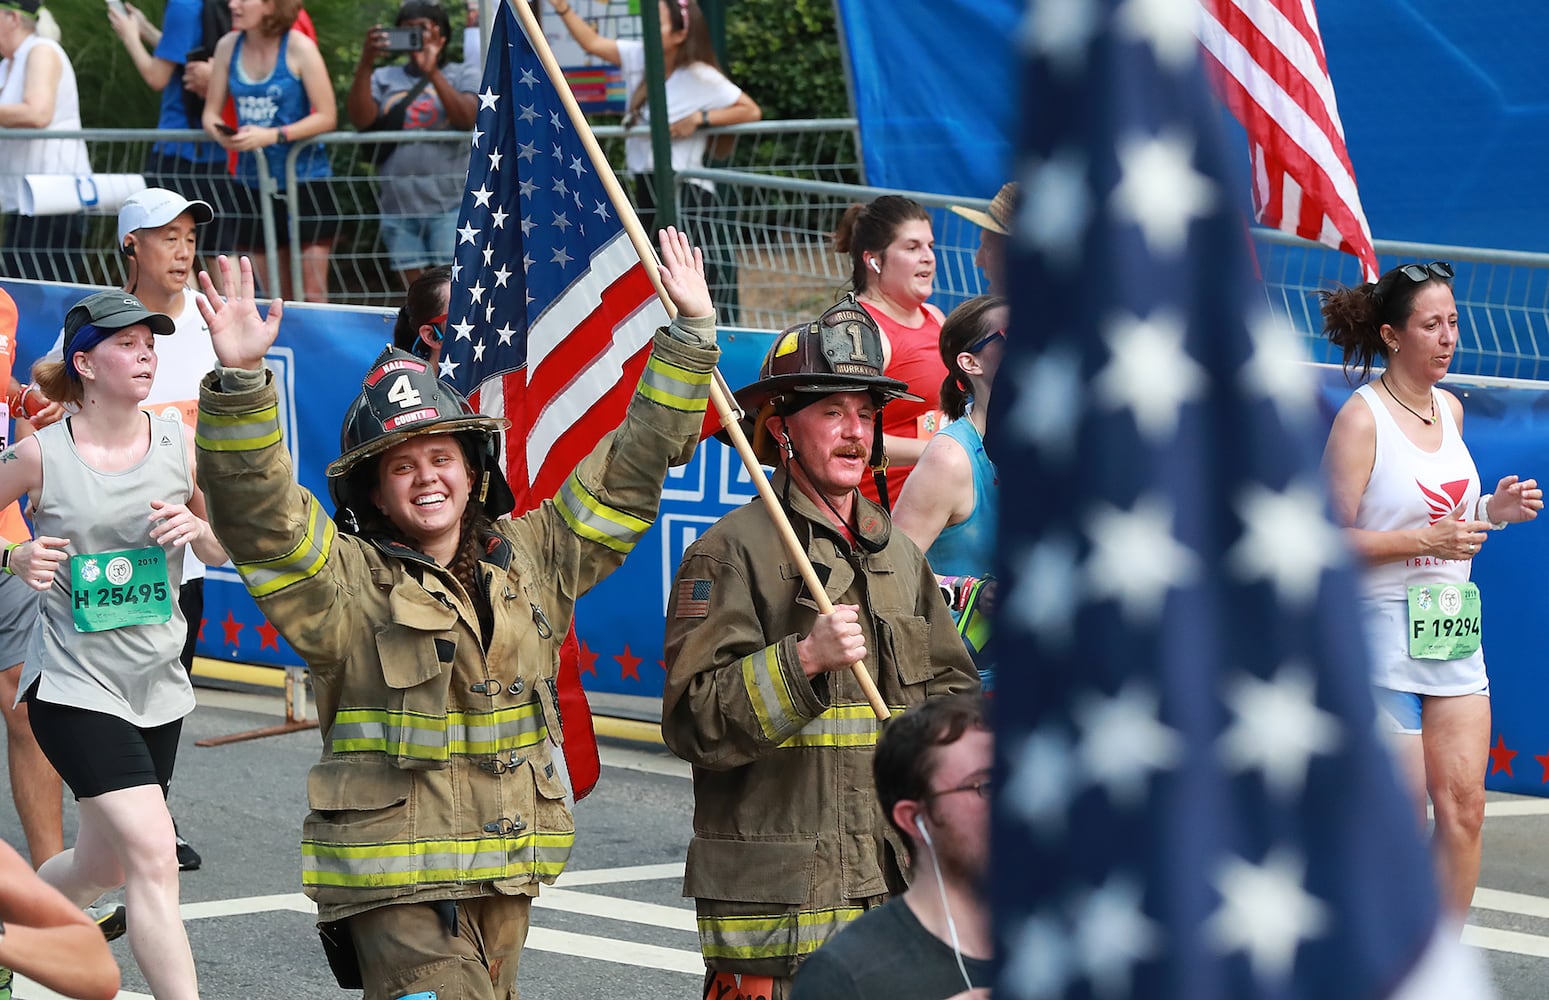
932 769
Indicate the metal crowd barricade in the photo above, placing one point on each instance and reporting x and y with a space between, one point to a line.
1502 297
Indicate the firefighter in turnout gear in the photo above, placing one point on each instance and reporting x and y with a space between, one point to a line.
432 627
788 844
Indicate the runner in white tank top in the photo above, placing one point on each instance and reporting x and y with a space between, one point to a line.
1406 489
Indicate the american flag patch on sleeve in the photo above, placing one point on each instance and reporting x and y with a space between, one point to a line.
693 599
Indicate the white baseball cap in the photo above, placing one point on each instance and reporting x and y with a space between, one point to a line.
155 207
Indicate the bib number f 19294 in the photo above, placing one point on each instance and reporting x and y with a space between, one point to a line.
1444 621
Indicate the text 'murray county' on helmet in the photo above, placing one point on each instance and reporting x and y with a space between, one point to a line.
401 398
840 351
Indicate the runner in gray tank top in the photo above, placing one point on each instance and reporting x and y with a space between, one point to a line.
114 506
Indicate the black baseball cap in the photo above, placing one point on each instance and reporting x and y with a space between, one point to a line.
108 311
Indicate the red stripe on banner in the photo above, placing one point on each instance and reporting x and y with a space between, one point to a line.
568 362
1282 155
601 417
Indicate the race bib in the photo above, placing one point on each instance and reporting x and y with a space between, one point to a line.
110 590
1444 621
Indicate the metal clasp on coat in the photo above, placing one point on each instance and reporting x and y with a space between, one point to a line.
496 765
505 827
545 630
489 687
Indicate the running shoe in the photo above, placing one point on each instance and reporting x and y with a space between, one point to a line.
188 859
111 919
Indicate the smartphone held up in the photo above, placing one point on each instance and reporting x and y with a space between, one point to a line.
117 7
403 39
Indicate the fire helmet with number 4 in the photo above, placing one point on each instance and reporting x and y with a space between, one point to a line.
401 398
840 351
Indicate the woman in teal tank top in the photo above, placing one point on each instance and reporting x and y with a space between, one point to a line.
949 506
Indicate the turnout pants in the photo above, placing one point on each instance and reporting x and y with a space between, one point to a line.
405 949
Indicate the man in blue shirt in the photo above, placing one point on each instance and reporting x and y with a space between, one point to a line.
194 169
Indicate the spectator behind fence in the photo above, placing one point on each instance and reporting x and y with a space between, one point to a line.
276 75
892 252
189 32
994 226
932 770
37 91
46 939
950 507
421 323
422 182
698 96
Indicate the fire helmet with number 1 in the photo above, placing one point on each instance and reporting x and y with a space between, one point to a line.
840 351
401 398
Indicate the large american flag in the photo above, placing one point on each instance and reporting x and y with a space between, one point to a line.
552 313
1193 801
1267 62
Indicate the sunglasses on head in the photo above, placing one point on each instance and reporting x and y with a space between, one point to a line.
1424 272
985 341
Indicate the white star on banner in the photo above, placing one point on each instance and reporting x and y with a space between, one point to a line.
528 225
526 151
1135 559
505 333
1170 28
447 368
1277 368
1160 190
576 166
1123 740
529 114
561 257
502 275
1287 540
464 329
1041 781
1056 207
1038 963
1277 728
481 196
1044 599
494 159
561 221
498 219
1265 912
555 123
1149 372
457 269
1112 934
526 186
476 292
1048 405
489 253
478 351
488 99
528 79
1060 31
476 138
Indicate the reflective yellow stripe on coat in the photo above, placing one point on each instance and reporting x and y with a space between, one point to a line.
841 726
778 935
674 386
419 862
433 738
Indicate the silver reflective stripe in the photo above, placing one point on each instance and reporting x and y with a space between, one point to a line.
595 521
303 562
424 861
770 695
799 932
673 386
841 726
426 737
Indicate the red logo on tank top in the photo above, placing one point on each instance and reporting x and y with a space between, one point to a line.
1446 500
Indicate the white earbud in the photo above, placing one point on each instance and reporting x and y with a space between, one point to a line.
919 824
874 265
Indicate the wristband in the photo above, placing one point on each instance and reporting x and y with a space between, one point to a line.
704 119
5 558
562 13
284 135
1482 512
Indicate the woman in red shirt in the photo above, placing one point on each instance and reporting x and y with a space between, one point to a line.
893 268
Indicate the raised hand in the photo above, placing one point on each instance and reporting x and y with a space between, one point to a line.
240 336
683 274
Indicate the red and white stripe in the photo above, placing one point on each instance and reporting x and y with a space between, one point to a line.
1267 61
585 354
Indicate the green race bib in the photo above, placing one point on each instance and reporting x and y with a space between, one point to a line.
113 589
1443 621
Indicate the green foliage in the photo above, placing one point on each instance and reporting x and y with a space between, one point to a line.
785 53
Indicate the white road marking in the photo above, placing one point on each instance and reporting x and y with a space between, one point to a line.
631 873
631 759
677 918
1513 941
646 956
1511 902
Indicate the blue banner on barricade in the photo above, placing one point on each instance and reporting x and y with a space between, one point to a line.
322 351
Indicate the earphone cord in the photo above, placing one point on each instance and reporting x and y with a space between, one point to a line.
946 908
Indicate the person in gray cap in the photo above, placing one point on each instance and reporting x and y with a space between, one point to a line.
158 236
994 226
114 508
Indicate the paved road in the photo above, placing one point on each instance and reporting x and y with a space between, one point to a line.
617 925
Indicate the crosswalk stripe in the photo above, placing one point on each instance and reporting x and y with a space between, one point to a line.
1511 902
1513 941
647 956
677 918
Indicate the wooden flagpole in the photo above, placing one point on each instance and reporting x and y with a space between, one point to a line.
720 395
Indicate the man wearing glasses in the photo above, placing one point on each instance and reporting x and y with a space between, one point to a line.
788 845
933 779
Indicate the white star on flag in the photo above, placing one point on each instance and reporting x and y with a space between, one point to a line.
1161 192
1265 912
1123 741
1149 372
1287 540
1135 559
487 100
1277 728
